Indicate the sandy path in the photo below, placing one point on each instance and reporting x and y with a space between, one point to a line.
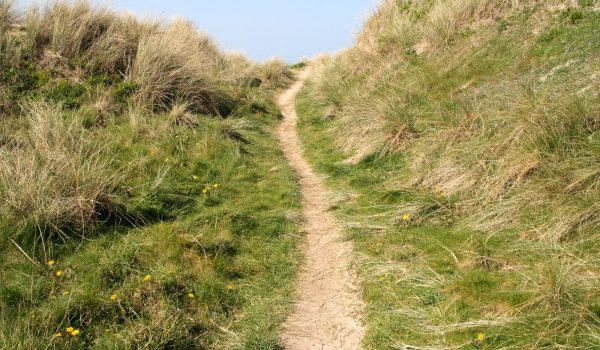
328 303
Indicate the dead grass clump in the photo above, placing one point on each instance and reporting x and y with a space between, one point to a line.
178 63
236 69
59 180
68 29
99 38
6 15
446 18
275 73
5 100
180 117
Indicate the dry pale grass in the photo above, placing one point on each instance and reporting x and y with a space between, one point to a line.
56 179
168 62
104 40
6 14
421 25
485 153
5 100
178 63
275 73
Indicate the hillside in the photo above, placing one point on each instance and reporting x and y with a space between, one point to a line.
145 203
436 186
461 139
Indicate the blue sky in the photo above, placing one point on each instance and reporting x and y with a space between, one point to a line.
289 29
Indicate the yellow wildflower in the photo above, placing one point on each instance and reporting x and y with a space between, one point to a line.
230 287
51 262
58 335
216 185
113 297
195 177
75 332
58 273
190 295
70 329
147 278
65 293
205 191
407 217
481 337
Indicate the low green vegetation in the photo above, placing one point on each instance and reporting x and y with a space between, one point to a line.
144 201
460 140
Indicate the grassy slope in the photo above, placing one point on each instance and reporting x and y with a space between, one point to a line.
131 211
233 248
434 276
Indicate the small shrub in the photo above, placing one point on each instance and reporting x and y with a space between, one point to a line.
66 93
572 16
123 91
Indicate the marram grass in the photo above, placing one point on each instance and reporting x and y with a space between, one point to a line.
461 137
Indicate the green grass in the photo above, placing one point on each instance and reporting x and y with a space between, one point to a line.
233 248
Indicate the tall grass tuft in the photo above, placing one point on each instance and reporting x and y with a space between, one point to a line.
6 15
176 63
56 180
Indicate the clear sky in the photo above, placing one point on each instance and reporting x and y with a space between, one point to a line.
289 29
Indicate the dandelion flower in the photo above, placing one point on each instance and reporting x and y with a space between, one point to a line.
407 217
190 295
70 329
51 262
147 278
65 293
58 335
195 177
216 185
481 337
230 287
75 332
58 273
113 297
205 191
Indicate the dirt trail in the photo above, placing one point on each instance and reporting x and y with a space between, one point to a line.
328 303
